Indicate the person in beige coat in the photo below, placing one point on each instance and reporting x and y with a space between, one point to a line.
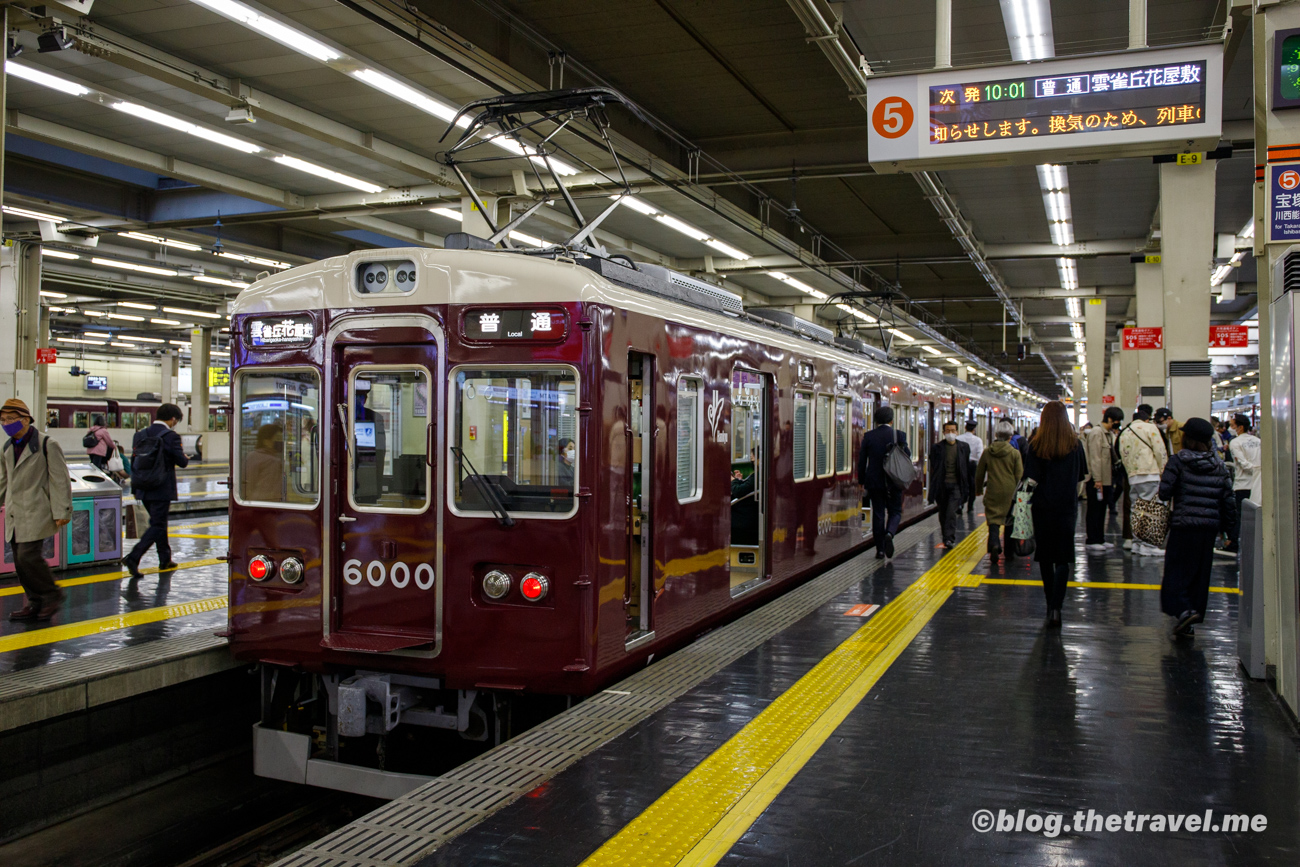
1099 446
996 476
37 494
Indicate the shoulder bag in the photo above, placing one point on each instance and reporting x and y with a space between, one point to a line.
1150 521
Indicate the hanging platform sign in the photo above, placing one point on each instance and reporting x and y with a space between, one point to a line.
1284 202
1131 103
1229 336
1143 338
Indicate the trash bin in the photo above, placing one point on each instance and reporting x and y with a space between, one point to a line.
1250 578
95 532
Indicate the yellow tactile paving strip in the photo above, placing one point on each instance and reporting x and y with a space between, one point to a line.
81 629
1090 585
699 819
116 575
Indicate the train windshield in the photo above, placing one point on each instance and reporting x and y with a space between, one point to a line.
278 445
515 439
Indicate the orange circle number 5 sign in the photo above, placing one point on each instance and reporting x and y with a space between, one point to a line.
892 117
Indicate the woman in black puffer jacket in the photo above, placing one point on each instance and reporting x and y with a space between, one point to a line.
1203 504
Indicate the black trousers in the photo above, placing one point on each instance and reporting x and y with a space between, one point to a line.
155 535
1095 517
886 511
970 497
1234 532
35 575
1055 577
949 500
100 461
1002 545
1189 554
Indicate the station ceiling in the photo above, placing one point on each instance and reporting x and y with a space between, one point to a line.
744 125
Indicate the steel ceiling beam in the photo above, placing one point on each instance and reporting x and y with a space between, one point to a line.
1081 250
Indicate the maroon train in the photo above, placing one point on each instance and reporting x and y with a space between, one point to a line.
463 474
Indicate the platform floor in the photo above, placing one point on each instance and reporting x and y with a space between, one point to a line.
105 610
880 741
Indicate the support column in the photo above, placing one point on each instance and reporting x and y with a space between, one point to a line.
1094 335
1137 23
942 34
170 376
963 374
200 356
1186 245
1149 282
1126 395
471 220
1076 389
20 323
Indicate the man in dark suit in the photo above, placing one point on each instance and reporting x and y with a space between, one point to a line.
950 480
157 499
885 499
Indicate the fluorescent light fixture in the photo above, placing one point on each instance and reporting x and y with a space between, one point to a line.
255 260
932 350
507 143
144 339
96 334
328 174
58 254
158 239
93 313
527 239
903 334
1068 272
1074 307
123 343
184 343
131 266
1076 331
158 117
685 228
956 362
44 79
272 29
81 340
181 311
218 281
865 317
39 216
798 284
218 352
728 250
1029 29
637 205
136 305
45 293
125 317
165 321
448 213
398 90
1247 231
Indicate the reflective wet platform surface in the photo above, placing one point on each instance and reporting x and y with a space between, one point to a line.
880 736
201 487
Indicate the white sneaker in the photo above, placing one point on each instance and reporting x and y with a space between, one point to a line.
1097 548
1128 544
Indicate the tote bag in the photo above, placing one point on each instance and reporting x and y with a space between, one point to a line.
1022 517
1150 521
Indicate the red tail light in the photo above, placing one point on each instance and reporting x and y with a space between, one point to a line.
260 568
534 587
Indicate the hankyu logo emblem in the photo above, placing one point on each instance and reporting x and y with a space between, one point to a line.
715 414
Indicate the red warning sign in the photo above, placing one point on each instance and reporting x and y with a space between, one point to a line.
1143 338
47 355
862 611
1108 398
1229 336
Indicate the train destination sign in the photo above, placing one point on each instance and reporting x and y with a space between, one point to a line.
281 331
1125 104
519 323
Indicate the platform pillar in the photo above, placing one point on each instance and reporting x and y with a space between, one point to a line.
1076 391
1094 334
1149 284
200 357
168 387
471 219
1186 250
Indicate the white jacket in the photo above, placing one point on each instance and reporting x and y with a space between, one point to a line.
1245 453
976 444
1142 449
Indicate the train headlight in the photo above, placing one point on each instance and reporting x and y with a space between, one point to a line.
291 570
534 587
496 584
261 568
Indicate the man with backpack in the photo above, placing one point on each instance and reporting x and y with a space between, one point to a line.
883 493
156 452
37 494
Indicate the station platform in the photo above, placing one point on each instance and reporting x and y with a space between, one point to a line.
912 711
202 487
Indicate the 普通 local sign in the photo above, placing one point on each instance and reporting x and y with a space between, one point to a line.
1143 338
1124 104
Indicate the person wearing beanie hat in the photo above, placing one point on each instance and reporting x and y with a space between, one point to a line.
1201 490
37 494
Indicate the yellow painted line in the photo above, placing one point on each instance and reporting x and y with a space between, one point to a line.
1097 585
111 576
699 819
194 536
199 525
81 629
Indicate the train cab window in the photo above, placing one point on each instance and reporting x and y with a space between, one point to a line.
515 440
690 418
277 449
843 433
389 438
825 446
803 436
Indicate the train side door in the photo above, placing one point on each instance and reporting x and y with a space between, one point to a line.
384 510
749 456
638 591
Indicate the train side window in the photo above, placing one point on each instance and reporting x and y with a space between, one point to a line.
803 435
690 417
843 433
277 446
825 445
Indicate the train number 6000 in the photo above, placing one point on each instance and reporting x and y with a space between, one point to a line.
376 573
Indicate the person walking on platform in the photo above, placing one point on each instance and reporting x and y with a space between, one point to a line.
996 476
1142 449
1170 430
976 445
950 480
1203 504
156 452
1097 443
1057 464
37 494
1244 450
885 499
102 447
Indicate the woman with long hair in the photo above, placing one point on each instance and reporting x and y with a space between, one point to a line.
1057 462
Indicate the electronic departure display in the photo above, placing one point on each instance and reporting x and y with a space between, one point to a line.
1107 100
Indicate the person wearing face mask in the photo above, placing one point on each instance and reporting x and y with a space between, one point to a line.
156 452
37 494
1097 442
1170 430
950 480
568 456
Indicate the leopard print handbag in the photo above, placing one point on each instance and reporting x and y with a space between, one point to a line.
1150 521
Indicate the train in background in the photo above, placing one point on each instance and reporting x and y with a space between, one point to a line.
78 412
460 476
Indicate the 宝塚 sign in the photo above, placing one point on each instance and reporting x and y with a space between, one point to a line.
47 355
1284 202
1141 103
1143 338
1229 336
